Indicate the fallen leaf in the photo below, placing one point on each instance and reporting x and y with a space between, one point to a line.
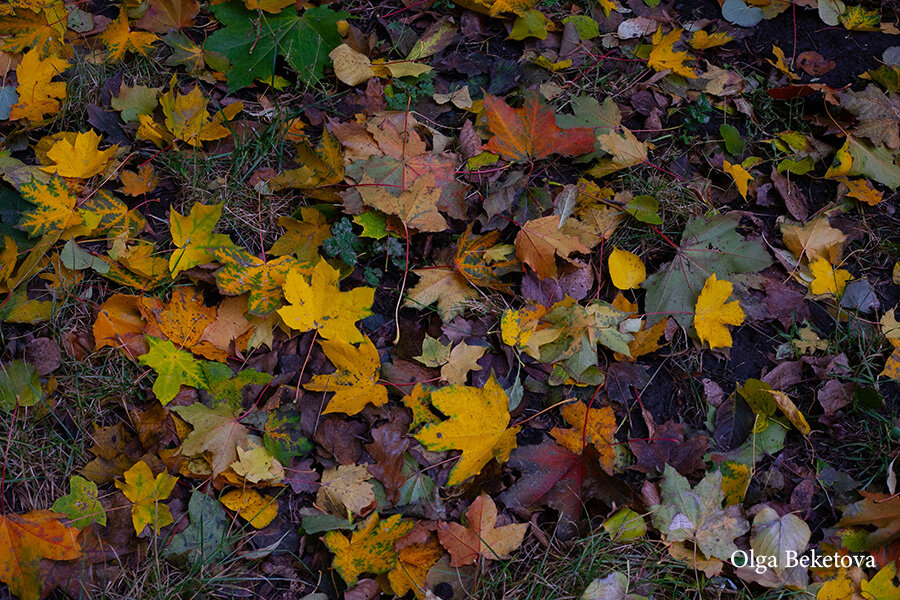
476 425
54 208
216 430
257 509
595 426
626 269
24 541
663 56
416 206
827 279
120 39
530 133
346 491
816 239
413 564
173 367
462 359
39 96
740 175
713 313
540 240
355 383
320 304
242 272
80 159
481 538
370 549
146 493
140 183
81 504
193 235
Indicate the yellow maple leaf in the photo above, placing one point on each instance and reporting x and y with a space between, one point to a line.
80 159
891 330
302 238
242 272
780 63
495 8
664 57
702 40
370 549
355 383
39 97
416 206
595 426
258 464
193 235
257 509
41 29
27 539
413 563
827 279
477 425
463 358
271 6
712 313
320 304
740 175
146 492
626 269
54 207
120 39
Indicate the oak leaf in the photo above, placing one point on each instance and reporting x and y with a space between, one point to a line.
530 133
713 312
320 304
173 367
370 549
146 493
54 207
540 240
257 509
39 97
216 430
355 383
481 538
476 425
242 272
120 39
24 541
595 426
663 57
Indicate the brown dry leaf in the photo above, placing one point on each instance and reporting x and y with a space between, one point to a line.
387 448
814 240
540 240
481 538
416 206
140 183
120 324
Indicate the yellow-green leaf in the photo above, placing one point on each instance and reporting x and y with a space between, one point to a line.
174 368
370 549
146 492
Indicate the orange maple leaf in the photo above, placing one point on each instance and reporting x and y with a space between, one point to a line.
24 541
530 133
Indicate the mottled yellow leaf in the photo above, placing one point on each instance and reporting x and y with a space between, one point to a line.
257 509
146 492
54 209
664 57
120 39
370 549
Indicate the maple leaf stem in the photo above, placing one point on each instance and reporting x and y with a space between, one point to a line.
5 461
402 286
537 414
303 368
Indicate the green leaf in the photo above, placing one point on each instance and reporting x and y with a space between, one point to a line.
225 386
733 142
19 385
532 24
738 13
645 209
173 367
204 541
82 504
708 245
76 258
283 437
875 163
253 41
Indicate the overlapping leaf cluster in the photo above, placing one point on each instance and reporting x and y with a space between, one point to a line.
371 410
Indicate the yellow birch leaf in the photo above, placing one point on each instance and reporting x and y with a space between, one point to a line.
740 175
476 424
712 313
828 280
355 382
257 509
39 97
146 492
120 39
81 159
626 269
664 57
596 426
319 304
370 549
